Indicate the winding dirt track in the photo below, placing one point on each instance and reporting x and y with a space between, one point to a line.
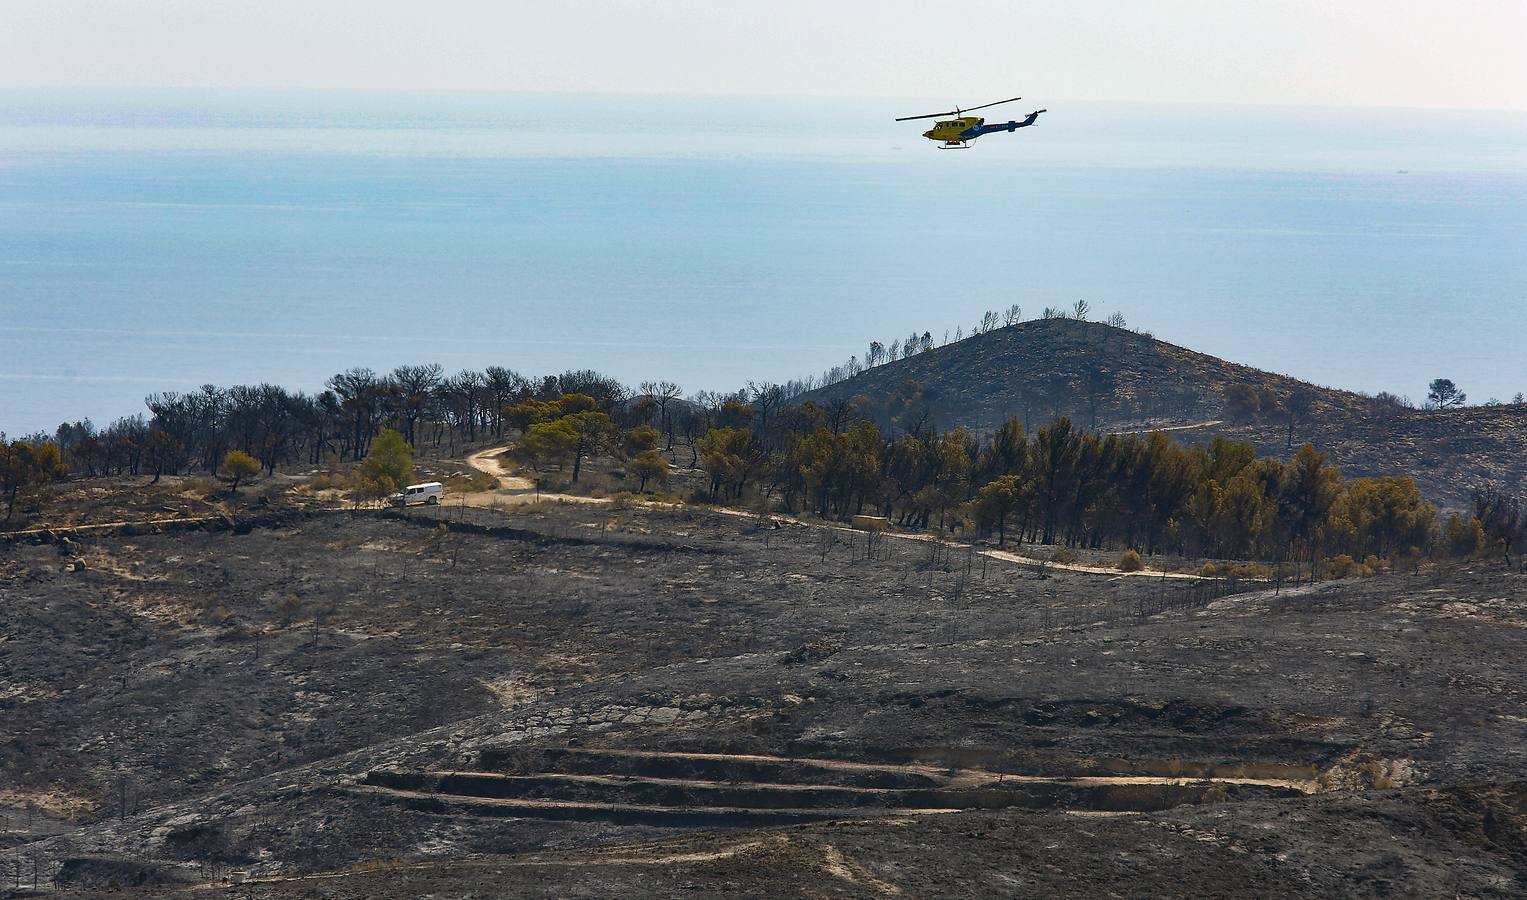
513 490
1192 427
103 526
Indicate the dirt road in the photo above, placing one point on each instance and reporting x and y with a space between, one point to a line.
1190 427
513 490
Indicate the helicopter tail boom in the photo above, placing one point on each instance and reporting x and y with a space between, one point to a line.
1031 119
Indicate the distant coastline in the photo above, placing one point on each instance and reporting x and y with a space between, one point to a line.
164 239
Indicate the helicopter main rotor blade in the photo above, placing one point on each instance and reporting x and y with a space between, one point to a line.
957 112
928 116
998 103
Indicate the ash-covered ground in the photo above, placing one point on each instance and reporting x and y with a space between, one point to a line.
589 701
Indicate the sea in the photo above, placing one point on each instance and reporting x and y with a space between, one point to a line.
161 240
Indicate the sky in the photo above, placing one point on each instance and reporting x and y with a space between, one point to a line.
1460 54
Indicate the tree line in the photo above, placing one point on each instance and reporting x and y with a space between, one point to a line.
239 431
1069 487
194 431
1059 484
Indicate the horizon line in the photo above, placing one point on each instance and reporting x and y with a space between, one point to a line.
722 95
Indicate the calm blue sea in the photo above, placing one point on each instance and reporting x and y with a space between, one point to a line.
161 240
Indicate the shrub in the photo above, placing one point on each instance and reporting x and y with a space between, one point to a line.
1130 561
288 608
639 440
649 465
625 500
1249 571
1463 537
1342 566
1063 555
238 466
390 464
327 481
199 486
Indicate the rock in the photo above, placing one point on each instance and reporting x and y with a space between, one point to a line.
813 651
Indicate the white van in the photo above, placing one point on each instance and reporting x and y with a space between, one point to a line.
430 492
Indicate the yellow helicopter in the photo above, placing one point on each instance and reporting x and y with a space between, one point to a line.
957 133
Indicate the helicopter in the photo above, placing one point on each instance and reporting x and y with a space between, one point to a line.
957 133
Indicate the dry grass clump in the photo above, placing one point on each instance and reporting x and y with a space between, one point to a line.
1344 566
1063 555
1379 774
325 481
1341 566
199 487
1130 561
1235 570
626 500
1361 771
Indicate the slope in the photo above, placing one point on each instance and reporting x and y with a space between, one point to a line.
1117 380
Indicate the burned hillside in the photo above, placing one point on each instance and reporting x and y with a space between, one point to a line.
594 700
1113 379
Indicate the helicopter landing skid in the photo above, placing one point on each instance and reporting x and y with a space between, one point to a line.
955 145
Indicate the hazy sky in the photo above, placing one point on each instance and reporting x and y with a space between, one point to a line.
1409 53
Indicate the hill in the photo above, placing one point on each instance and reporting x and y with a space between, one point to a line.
1113 379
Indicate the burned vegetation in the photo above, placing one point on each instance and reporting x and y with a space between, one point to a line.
563 699
825 644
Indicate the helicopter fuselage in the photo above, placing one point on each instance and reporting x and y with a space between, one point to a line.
954 132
